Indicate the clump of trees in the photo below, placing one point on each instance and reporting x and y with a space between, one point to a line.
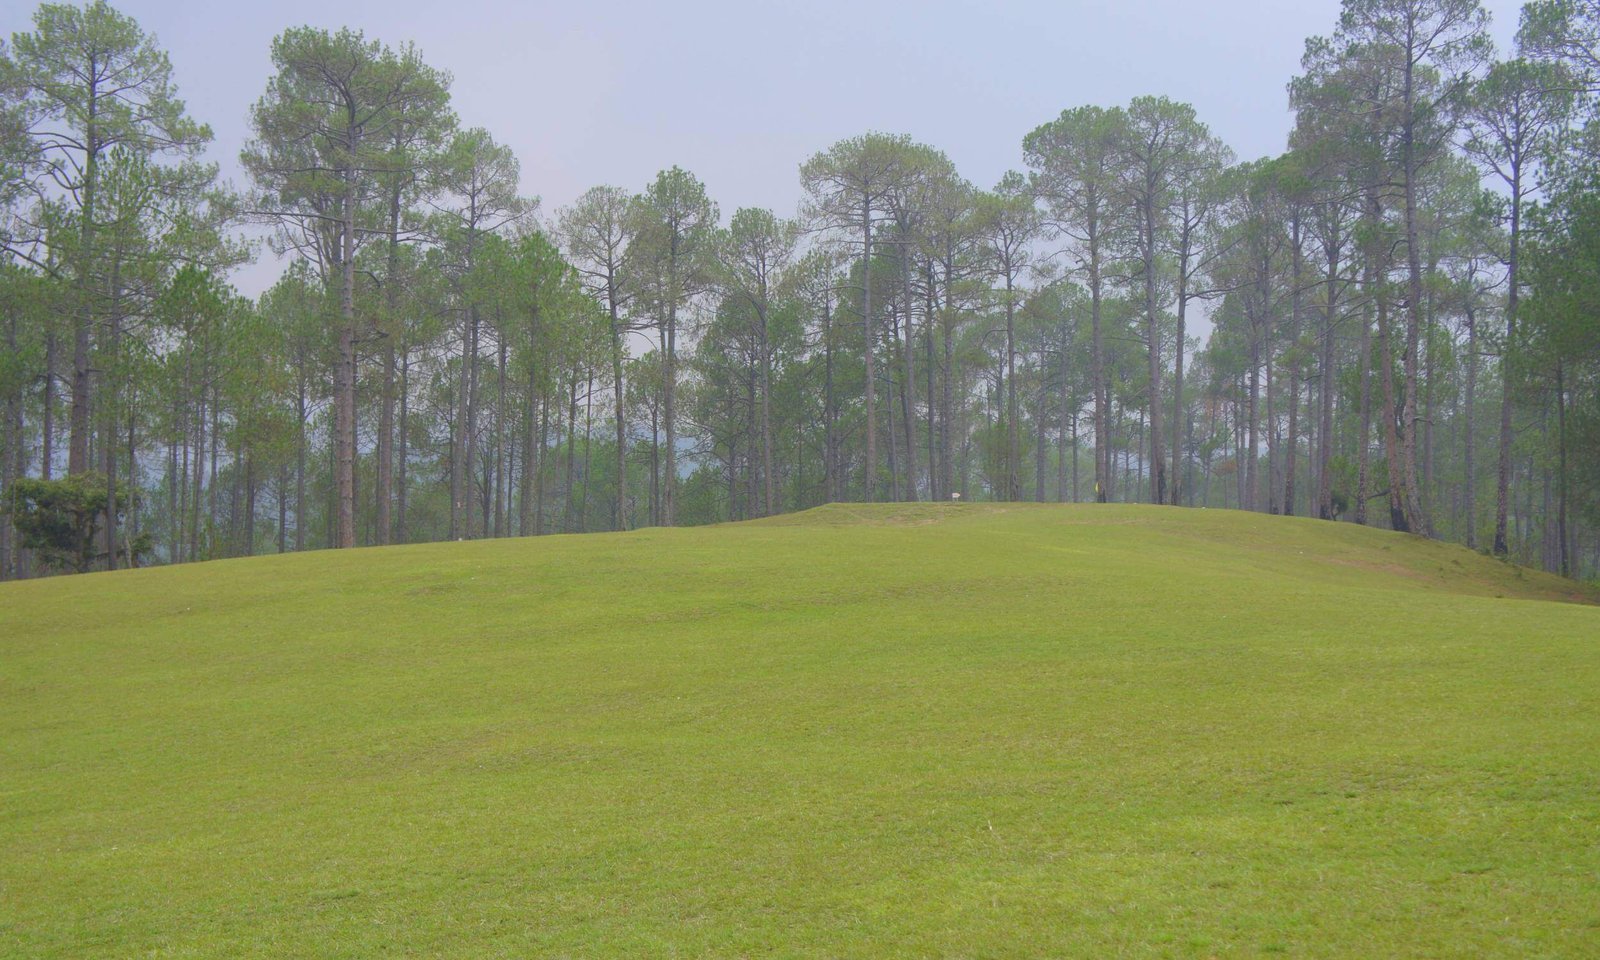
1402 310
60 520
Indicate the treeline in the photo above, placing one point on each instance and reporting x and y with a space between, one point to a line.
1403 309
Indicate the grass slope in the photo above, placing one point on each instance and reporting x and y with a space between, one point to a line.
957 731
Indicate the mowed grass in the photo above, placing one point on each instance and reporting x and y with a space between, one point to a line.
913 731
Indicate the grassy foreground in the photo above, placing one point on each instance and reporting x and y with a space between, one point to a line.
957 731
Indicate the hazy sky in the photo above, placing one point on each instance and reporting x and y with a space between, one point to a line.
741 93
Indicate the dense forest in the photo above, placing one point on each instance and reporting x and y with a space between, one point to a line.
1402 310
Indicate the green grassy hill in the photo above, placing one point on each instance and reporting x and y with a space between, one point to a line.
913 731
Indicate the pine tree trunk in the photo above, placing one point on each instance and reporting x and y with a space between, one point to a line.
384 481
1410 500
934 493
538 473
283 508
300 469
1564 561
47 429
1470 482
1398 518
588 449
1293 444
83 315
830 429
1326 385
947 415
1248 497
1157 460
472 502
618 350
109 397
669 418
403 455
569 516
1176 481
1503 474
908 386
1097 372
249 505
867 351
765 346
13 461
344 429
1039 448
1013 486
497 509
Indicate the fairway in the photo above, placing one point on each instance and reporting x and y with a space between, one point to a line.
858 731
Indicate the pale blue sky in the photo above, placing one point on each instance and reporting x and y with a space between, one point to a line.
742 92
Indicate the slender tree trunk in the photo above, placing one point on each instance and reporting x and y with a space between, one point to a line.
765 346
184 442
532 442
588 449
1296 271
1013 486
655 463
213 532
830 426
403 457
1076 495
384 481
538 476
618 351
934 491
1157 460
300 469
1272 422
13 462
1326 382
1429 401
174 483
196 483
283 507
894 471
871 373
1102 433
948 386
109 396
48 427
1248 497
908 386
1398 518
458 439
1410 502
1564 561
1246 464
1039 448
472 525
525 486
1470 481
133 478
1293 445
83 315
570 515
1503 473
344 428
1176 481
249 505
